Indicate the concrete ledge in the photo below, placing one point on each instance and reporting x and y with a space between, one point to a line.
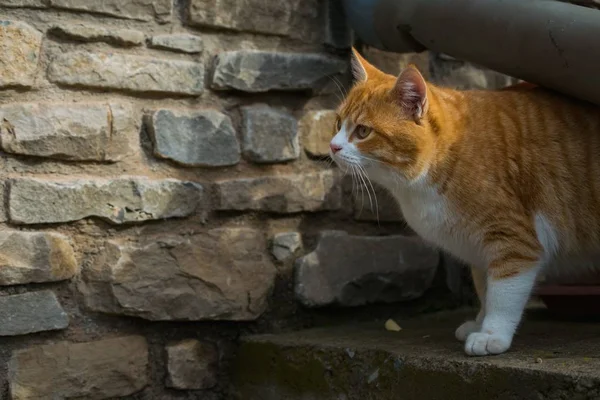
421 362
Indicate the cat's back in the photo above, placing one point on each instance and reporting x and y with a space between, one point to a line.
535 130
532 150
533 110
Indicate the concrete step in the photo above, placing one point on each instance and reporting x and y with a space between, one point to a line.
550 359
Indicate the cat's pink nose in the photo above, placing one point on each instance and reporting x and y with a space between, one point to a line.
334 148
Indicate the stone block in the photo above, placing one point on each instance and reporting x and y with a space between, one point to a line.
20 46
192 365
68 131
356 270
142 10
96 33
35 257
223 274
363 361
21 314
317 129
194 138
261 71
103 369
270 135
127 72
24 3
285 245
3 201
311 191
119 200
179 42
295 18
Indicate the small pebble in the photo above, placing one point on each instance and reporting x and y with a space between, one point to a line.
391 325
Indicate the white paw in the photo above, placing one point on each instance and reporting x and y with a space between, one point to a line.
482 344
463 331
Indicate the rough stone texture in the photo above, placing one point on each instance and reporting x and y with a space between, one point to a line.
423 361
192 365
20 48
355 270
194 138
84 131
3 194
21 314
317 129
24 3
143 10
286 18
260 71
111 107
463 75
312 191
223 274
96 370
181 42
284 245
127 72
121 200
270 135
96 33
381 207
27 257
394 63
125 132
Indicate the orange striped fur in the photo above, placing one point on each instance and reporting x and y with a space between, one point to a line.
507 180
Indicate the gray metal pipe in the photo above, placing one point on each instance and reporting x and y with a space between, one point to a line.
546 42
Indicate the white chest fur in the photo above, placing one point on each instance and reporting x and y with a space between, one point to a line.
431 217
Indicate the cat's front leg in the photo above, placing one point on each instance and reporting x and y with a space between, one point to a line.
509 285
479 281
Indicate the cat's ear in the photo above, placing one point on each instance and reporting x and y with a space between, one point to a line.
361 69
410 91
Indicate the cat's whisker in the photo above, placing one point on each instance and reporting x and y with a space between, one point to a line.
353 184
373 190
325 161
358 185
339 84
360 175
340 95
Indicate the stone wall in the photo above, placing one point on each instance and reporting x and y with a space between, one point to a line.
162 172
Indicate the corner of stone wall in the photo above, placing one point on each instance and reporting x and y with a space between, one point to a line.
165 189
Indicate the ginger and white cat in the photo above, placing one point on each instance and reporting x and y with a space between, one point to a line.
506 180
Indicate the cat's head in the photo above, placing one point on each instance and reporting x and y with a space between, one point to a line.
384 122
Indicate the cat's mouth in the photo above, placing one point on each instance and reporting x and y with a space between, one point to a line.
349 161
343 161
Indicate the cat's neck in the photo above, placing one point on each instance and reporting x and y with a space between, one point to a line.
448 110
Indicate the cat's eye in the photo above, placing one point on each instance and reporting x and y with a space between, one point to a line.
362 132
338 124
